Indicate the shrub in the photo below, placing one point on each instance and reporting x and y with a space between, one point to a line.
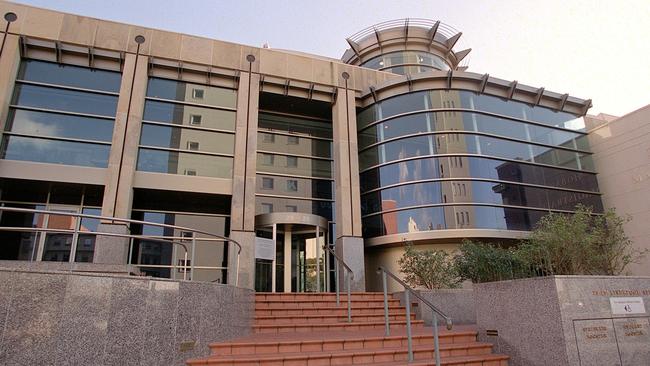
481 262
431 269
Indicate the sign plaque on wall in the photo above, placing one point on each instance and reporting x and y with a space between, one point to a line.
627 305
264 248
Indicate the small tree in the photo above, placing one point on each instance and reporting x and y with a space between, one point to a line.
581 243
431 269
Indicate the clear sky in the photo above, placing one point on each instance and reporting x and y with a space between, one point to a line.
588 48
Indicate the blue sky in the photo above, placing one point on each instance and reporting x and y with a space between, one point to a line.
589 48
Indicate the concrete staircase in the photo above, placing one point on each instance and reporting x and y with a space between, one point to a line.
309 329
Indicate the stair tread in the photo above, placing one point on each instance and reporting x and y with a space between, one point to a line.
392 322
341 353
289 316
452 360
345 335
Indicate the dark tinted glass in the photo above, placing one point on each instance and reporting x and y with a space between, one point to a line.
281 164
308 188
294 145
320 208
194 93
53 151
181 115
451 217
184 138
299 126
476 167
68 75
476 192
173 162
60 125
64 100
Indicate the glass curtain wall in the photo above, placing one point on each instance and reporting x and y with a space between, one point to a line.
407 62
188 129
450 159
61 114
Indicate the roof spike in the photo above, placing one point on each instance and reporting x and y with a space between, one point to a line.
484 81
460 55
354 45
451 42
433 31
538 97
586 106
563 101
378 39
511 88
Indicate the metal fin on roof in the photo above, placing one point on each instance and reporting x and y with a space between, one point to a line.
451 42
433 31
511 88
460 55
354 46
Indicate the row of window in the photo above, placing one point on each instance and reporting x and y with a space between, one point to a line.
61 114
389 61
436 99
187 129
487 192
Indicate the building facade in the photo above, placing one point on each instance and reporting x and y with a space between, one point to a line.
396 142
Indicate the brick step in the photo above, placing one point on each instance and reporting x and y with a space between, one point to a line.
299 304
259 296
324 327
350 357
329 310
319 319
353 342
476 360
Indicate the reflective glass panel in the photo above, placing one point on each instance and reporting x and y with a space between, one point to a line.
281 164
294 145
64 100
68 75
183 115
314 188
194 93
53 151
294 124
60 125
320 208
159 161
183 138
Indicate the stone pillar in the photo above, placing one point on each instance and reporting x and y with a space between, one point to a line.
349 243
9 63
118 191
242 214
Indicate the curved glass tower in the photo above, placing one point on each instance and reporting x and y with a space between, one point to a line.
446 154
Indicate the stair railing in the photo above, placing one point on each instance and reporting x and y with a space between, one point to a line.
407 291
348 279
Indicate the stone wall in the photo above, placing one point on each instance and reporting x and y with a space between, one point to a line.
456 303
60 318
566 320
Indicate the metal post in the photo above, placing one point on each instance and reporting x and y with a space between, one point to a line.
130 250
383 280
436 343
408 323
185 266
317 260
193 256
336 279
75 239
349 298
237 271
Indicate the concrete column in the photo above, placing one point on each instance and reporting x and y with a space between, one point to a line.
118 191
9 63
349 243
242 214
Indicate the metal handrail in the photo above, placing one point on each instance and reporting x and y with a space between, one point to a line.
76 231
348 279
408 290
444 29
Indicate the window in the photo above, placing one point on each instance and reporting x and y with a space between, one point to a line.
190 172
267 183
292 185
292 140
268 138
195 119
292 162
193 145
197 93
292 208
267 159
267 207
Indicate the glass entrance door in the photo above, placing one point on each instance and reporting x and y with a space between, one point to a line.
58 247
300 263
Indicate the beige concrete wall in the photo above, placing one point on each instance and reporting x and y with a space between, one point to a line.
622 159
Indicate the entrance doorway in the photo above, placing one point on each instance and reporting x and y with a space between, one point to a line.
300 264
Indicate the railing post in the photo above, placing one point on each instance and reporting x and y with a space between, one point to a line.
185 266
317 259
237 269
408 323
336 279
348 278
436 342
193 257
383 280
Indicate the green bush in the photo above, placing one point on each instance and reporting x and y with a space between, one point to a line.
431 269
480 262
